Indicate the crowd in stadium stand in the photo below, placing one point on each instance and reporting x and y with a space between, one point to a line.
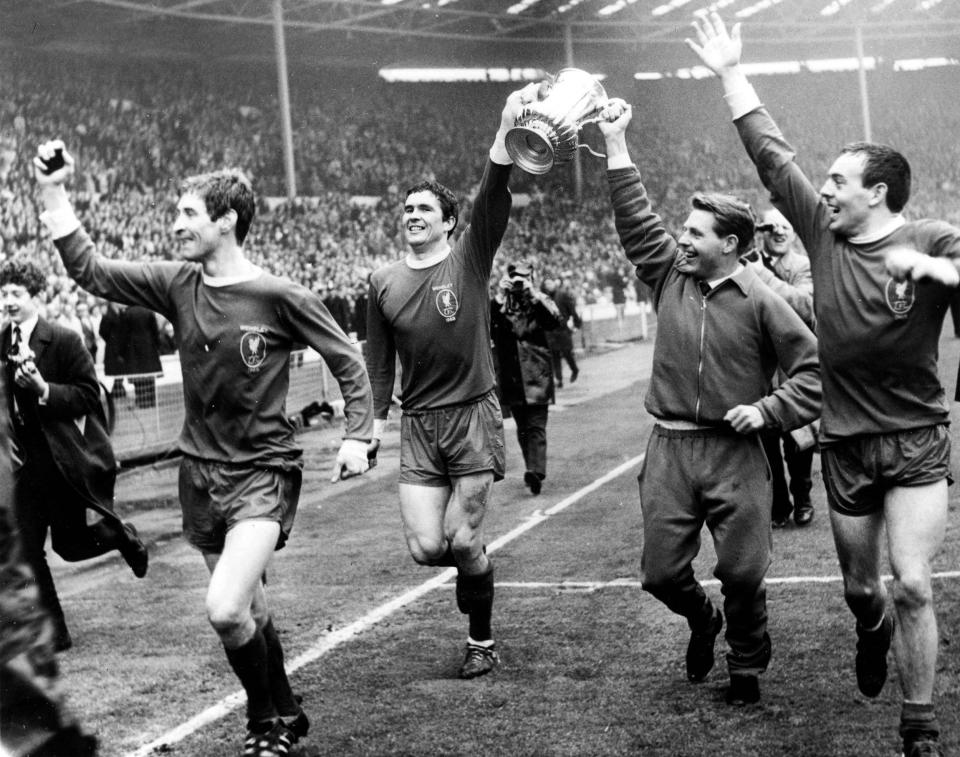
137 129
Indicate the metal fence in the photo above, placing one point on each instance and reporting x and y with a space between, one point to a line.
148 416
148 410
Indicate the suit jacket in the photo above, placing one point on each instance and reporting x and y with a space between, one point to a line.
520 349
560 339
72 421
132 339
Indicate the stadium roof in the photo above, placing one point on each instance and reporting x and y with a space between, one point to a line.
599 34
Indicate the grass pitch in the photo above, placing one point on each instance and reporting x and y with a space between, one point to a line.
591 664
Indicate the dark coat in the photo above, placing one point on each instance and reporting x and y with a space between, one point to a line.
560 339
522 357
132 341
83 457
341 310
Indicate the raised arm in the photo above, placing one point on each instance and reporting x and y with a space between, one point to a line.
790 190
645 240
122 281
491 207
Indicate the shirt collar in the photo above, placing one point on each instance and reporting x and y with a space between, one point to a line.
432 260
886 230
222 281
26 328
716 282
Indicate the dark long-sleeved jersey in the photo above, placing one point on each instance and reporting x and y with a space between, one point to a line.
878 336
235 342
437 319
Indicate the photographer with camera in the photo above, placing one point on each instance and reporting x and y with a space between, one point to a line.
63 460
520 318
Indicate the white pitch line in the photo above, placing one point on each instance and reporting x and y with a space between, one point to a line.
631 584
336 638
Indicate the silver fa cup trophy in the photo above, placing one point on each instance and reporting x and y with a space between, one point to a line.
547 132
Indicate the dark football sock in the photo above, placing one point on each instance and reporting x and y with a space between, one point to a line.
919 717
249 662
475 599
280 690
868 610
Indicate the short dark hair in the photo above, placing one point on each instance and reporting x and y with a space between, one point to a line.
731 216
25 273
883 164
222 191
449 204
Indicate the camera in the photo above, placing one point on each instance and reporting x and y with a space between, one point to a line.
21 358
54 163
516 284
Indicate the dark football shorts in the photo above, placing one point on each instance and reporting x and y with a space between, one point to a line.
858 472
437 445
214 497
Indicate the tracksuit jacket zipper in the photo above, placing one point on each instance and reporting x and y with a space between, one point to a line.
703 322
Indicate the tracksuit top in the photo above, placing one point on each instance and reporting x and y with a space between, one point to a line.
721 350
235 343
437 319
878 337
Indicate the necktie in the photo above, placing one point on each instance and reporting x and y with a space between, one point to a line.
12 363
704 288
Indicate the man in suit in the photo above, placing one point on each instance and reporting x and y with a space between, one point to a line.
520 317
779 254
88 331
560 339
132 338
63 461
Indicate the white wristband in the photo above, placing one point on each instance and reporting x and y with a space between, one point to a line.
498 151
61 222
742 100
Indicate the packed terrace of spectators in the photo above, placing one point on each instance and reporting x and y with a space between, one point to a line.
136 129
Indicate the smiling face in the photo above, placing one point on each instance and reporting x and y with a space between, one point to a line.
18 304
851 204
197 233
424 227
777 233
701 253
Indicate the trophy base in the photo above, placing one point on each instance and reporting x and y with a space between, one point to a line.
529 149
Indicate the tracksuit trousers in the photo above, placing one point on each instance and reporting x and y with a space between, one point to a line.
720 478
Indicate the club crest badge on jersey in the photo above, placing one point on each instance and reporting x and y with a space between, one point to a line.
447 303
900 295
253 347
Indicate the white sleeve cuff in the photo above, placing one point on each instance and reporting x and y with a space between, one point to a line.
619 161
742 100
379 427
354 447
61 222
498 152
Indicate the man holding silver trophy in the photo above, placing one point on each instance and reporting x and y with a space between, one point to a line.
724 335
431 309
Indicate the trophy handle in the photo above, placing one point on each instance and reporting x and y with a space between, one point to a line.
597 118
592 120
591 151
